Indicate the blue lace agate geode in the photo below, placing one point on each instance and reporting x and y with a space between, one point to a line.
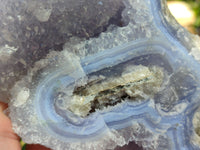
138 82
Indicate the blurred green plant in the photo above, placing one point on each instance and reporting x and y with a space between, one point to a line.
23 145
195 5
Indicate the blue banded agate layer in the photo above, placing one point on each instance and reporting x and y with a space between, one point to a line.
158 108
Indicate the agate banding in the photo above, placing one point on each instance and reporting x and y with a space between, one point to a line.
99 77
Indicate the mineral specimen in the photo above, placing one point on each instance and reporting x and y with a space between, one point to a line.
99 74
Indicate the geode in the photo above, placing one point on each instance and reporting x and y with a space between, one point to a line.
95 75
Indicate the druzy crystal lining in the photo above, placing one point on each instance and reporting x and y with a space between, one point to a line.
135 83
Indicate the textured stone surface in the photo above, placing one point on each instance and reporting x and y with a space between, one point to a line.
160 113
30 29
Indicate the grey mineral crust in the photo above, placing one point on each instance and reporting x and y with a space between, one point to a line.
181 85
30 29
